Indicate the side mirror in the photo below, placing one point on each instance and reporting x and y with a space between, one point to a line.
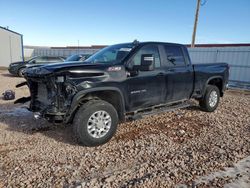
147 62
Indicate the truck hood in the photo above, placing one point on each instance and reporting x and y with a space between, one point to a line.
62 67
68 65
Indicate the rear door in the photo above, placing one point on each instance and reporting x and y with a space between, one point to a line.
147 87
178 73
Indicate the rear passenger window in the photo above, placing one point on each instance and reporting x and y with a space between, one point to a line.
148 49
174 56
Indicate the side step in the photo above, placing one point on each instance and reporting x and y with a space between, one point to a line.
158 109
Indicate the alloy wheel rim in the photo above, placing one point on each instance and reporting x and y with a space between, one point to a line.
99 124
213 99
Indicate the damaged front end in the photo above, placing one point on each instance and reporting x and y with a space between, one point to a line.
50 97
54 87
50 94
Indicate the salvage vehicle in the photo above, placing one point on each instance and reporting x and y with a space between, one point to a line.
18 68
122 82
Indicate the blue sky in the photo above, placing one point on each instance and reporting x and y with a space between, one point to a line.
63 23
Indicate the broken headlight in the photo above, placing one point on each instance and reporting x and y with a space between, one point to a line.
69 88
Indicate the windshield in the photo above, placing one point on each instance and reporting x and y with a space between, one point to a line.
74 58
111 54
29 60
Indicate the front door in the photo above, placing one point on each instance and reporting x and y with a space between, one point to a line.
146 88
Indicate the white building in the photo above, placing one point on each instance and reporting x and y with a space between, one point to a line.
11 47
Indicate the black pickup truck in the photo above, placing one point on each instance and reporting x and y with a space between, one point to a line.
120 82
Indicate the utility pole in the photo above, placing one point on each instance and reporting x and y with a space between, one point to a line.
77 46
195 22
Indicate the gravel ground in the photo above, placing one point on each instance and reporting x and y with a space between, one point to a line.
183 148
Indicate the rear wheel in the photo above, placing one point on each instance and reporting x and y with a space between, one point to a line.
211 99
95 123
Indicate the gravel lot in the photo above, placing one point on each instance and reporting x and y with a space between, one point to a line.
183 148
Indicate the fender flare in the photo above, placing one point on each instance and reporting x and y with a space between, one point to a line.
208 80
77 99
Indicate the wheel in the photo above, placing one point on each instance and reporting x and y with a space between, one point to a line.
21 71
211 99
95 123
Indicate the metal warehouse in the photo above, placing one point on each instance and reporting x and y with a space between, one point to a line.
11 47
236 55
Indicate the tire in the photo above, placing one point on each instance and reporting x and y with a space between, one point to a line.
20 72
89 115
211 99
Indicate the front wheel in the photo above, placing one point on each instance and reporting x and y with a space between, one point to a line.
210 101
21 72
95 123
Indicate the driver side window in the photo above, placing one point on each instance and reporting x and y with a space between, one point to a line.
148 49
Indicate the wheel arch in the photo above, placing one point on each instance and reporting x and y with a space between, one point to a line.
216 81
20 68
112 95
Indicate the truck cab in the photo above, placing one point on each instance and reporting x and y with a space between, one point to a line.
170 77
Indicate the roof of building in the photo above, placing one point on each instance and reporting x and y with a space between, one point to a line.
4 28
81 47
102 46
220 45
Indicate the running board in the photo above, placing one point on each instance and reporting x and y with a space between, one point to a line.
158 109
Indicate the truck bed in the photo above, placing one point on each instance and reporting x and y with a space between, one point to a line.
204 72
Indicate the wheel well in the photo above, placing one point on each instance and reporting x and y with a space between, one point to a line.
19 69
112 97
217 82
